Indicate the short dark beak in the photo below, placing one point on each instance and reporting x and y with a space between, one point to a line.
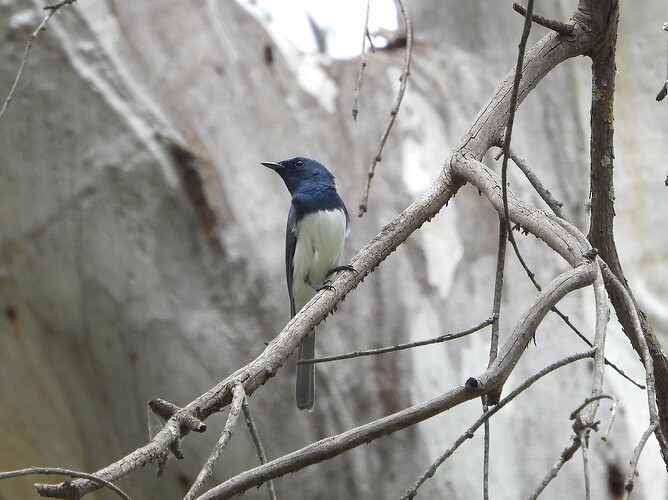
272 165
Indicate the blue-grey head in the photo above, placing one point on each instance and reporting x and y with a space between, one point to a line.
302 174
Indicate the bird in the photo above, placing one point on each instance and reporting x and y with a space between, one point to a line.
317 227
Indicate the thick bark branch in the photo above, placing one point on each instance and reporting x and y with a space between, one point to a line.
601 224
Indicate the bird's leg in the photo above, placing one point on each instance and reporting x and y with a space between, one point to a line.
346 267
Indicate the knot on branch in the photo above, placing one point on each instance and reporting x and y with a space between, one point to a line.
186 422
166 410
561 28
472 384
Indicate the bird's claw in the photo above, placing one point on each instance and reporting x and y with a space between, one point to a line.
346 267
327 285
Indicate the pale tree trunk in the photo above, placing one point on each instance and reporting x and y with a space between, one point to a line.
141 249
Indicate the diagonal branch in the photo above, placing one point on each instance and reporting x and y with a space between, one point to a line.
63 472
468 434
31 39
237 401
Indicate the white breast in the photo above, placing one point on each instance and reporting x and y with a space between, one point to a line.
320 237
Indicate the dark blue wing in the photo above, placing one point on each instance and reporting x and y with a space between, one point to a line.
290 245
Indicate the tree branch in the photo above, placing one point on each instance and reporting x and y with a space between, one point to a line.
53 471
399 347
558 26
258 444
237 401
403 79
468 434
31 39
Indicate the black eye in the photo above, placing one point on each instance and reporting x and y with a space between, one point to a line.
299 163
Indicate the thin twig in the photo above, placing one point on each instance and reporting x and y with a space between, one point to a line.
584 414
646 357
399 347
468 434
508 137
258 444
585 465
494 342
403 79
360 76
58 5
586 402
58 471
613 412
583 426
33 36
565 456
544 193
664 90
498 288
552 24
237 400
589 343
628 485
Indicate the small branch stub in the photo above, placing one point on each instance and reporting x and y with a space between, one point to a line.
558 26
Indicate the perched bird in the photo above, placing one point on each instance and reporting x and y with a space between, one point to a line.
317 227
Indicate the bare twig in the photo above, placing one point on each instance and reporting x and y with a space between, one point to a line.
586 402
403 79
584 415
468 434
58 471
31 39
56 6
565 456
644 353
494 341
544 193
498 288
628 485
207 469
514 93
613 412
399 347
585 465
360 75
664 90
589 343
508 136
258 444
584 431
558 26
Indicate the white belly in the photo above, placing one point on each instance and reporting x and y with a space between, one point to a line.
320 238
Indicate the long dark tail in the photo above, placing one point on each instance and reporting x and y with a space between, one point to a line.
306 374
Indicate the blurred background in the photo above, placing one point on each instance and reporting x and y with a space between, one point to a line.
142 244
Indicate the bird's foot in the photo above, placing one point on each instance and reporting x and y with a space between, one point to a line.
346 267
327 285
